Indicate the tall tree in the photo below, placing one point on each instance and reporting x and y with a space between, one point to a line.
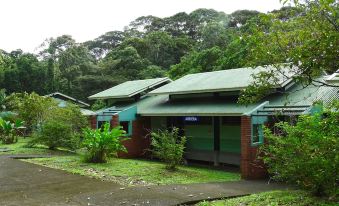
307 43
100 46
73 62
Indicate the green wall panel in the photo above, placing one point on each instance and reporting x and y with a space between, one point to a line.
199 137
230 138
128 114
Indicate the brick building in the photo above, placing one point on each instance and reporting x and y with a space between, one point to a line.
204 106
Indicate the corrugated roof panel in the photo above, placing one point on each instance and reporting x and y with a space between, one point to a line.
225 80
298 95
129 88
161 106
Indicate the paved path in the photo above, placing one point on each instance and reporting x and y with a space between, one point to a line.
27 184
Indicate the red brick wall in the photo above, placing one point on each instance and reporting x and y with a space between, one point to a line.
115 120
139 142
250 166
92 121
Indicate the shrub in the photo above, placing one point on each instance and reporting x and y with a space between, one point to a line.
8 131
168 146
70 114
61 127
31 108
55 134
102 143
307 153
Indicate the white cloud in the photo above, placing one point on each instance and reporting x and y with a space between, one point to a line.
26 23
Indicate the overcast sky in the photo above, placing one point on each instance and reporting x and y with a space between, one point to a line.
26 24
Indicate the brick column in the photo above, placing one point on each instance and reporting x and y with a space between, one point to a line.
92 121
115 120
250 166
139 141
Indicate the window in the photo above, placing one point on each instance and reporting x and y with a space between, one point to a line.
257 134
101 124
125 126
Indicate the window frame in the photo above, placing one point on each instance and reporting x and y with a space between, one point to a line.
260 134
129 127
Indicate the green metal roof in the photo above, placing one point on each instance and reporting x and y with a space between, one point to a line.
161 106
217 81
334 78
129 88
297 95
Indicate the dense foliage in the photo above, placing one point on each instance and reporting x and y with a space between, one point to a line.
61 128
147 48
306 153
31 108
102 143
55 134
305 38
168 146
50 124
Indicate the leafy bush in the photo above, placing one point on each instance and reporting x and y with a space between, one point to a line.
31 108
102 143
61 128
169 147
307 153
71 114
55 134
8 131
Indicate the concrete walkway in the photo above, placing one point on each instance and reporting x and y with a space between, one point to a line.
27 184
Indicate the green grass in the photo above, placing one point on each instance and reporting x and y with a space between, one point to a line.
21 148
273 198
123 171
136 172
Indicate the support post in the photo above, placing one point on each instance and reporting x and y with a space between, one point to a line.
216 133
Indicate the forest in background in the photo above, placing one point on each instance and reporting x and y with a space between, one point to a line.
203 40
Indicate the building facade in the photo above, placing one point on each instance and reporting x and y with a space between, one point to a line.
204 107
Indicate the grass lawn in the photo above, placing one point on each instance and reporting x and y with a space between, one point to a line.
274 198
130 172
123 171
20 148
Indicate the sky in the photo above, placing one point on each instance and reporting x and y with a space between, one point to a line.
25 24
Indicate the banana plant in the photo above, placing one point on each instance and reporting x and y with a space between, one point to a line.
9 129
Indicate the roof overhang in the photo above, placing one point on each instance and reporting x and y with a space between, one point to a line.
101 95
67 97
